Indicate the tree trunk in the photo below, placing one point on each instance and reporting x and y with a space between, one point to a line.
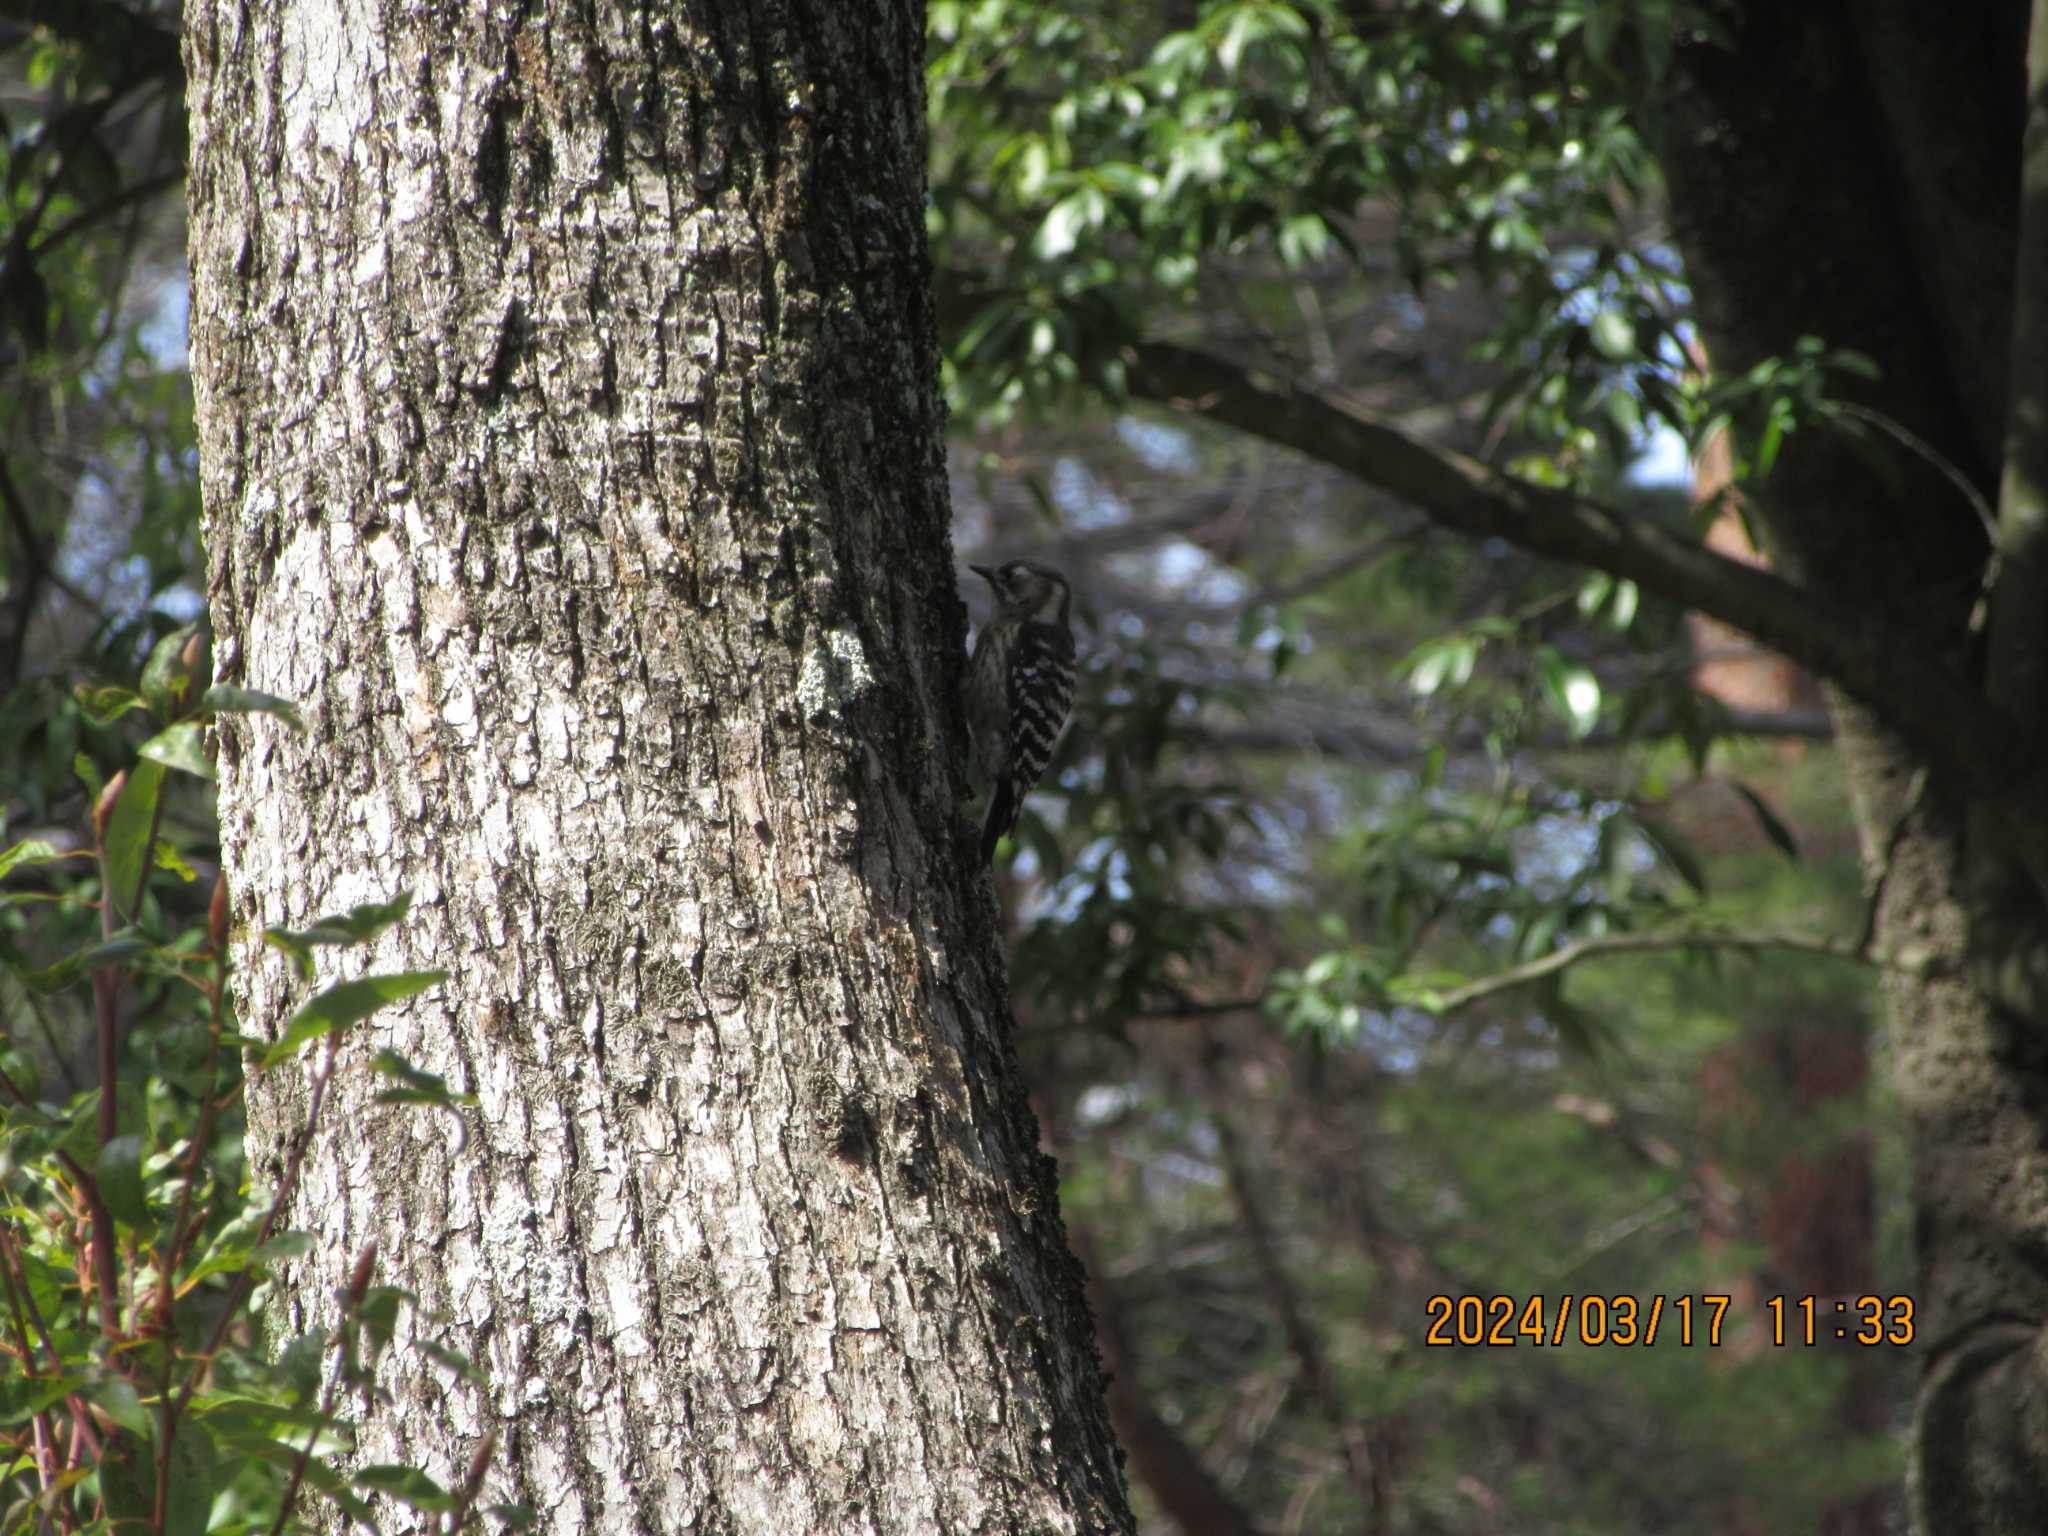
1896 237
571 447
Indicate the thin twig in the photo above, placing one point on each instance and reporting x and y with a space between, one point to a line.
1343 564
138 192
473 1484
1367 1470
45 1437
10 1253
209 1105
287 1185
1455 998
181 1230
352 1299
106 997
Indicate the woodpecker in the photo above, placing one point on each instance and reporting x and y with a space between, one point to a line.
1020 682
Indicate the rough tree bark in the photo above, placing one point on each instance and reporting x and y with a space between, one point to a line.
571 449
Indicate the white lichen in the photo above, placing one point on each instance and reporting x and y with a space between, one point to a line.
834 674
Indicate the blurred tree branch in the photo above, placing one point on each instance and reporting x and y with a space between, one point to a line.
1869 656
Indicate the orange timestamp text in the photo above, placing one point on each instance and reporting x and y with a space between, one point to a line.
1568 1318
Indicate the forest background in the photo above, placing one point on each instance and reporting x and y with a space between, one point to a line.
1408 915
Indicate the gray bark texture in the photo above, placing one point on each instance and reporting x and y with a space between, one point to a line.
571 446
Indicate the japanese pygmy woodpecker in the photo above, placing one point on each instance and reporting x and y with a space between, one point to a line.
1020 683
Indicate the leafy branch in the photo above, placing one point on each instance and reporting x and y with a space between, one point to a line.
1888 668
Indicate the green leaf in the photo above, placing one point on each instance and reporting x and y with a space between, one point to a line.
1304 240
21 1070
165 677
1774 828
1068 219
181 746
1627 597
74 968
238 1418
119 1171
1676 852
349 1002
377 1311
421 1087
1772 440
128 1482
222 1258
168 858
407 1484
79 1138
1573 690
129 832
1613 334
34 851
282 1246
224 699
190 1490
88 773
114 1393
298 1363
22 1397
1444 662
1603 19
1623 411
103 706
358 925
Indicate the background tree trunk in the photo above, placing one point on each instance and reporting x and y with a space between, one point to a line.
571 446
1910 262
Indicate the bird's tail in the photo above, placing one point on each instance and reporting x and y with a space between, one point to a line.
1002 816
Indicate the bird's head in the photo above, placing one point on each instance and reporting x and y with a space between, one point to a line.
1027 590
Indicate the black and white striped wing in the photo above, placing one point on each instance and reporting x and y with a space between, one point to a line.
1041 693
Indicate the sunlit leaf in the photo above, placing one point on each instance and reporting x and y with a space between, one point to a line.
348 1002
358 925
1573 690
224 699
1614 334
408 1485
420 1087
181 746
34 851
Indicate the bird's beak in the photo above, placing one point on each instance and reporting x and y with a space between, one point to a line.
986 573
